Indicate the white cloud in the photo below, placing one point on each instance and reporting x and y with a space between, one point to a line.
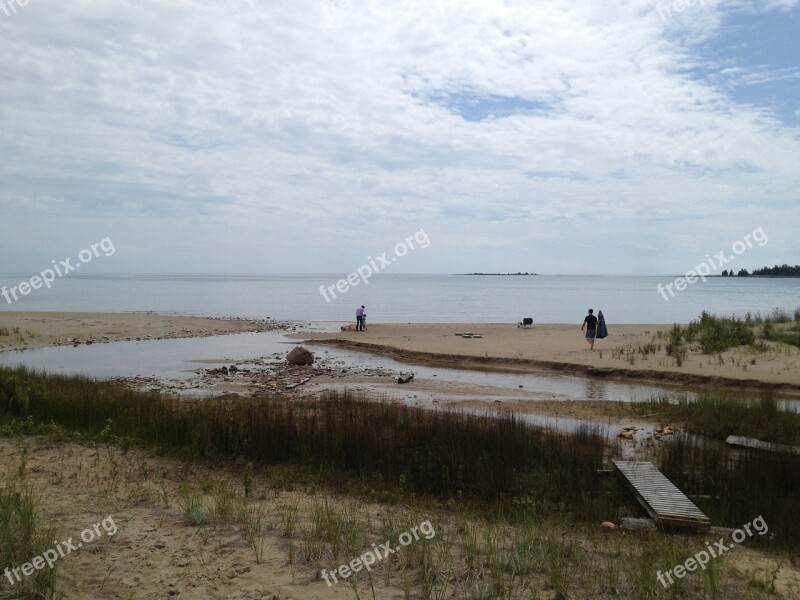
265 127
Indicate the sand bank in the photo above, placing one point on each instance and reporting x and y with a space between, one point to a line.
630 351
37 329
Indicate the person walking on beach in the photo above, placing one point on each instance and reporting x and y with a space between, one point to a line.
590 323
360 318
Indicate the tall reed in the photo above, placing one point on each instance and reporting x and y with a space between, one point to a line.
389 447
719 415
733 486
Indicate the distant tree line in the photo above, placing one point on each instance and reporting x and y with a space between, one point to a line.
776 271
504 274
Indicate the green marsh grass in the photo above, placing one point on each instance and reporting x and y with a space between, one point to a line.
717 415
394 449
735 485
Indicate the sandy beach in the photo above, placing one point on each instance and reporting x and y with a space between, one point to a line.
563 348
38 329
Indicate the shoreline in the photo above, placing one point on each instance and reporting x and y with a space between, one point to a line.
24 330
631 352
496 364
555 348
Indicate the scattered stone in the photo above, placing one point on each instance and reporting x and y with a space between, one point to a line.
259 376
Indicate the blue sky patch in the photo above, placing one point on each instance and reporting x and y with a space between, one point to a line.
757 61
481 107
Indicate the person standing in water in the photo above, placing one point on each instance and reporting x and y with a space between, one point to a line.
590 324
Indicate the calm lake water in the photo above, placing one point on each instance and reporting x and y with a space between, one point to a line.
410 298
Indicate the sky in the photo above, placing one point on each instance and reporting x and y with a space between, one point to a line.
304 136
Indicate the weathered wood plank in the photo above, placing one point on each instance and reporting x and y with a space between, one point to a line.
738 440
662 500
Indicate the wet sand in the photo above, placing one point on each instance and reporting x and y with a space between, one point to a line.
622 355
502 347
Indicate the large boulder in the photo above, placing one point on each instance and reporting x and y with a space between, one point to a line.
300 356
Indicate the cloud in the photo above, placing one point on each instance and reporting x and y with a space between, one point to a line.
338 124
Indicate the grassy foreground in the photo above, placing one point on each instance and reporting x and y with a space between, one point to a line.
530 532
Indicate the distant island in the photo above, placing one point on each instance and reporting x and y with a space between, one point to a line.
503 274
776 271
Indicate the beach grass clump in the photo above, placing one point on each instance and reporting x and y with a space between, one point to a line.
777 316
24 536
790 335
716 334
674 346
394 450
778 326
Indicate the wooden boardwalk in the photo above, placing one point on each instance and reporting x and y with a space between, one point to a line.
665 503
746 442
